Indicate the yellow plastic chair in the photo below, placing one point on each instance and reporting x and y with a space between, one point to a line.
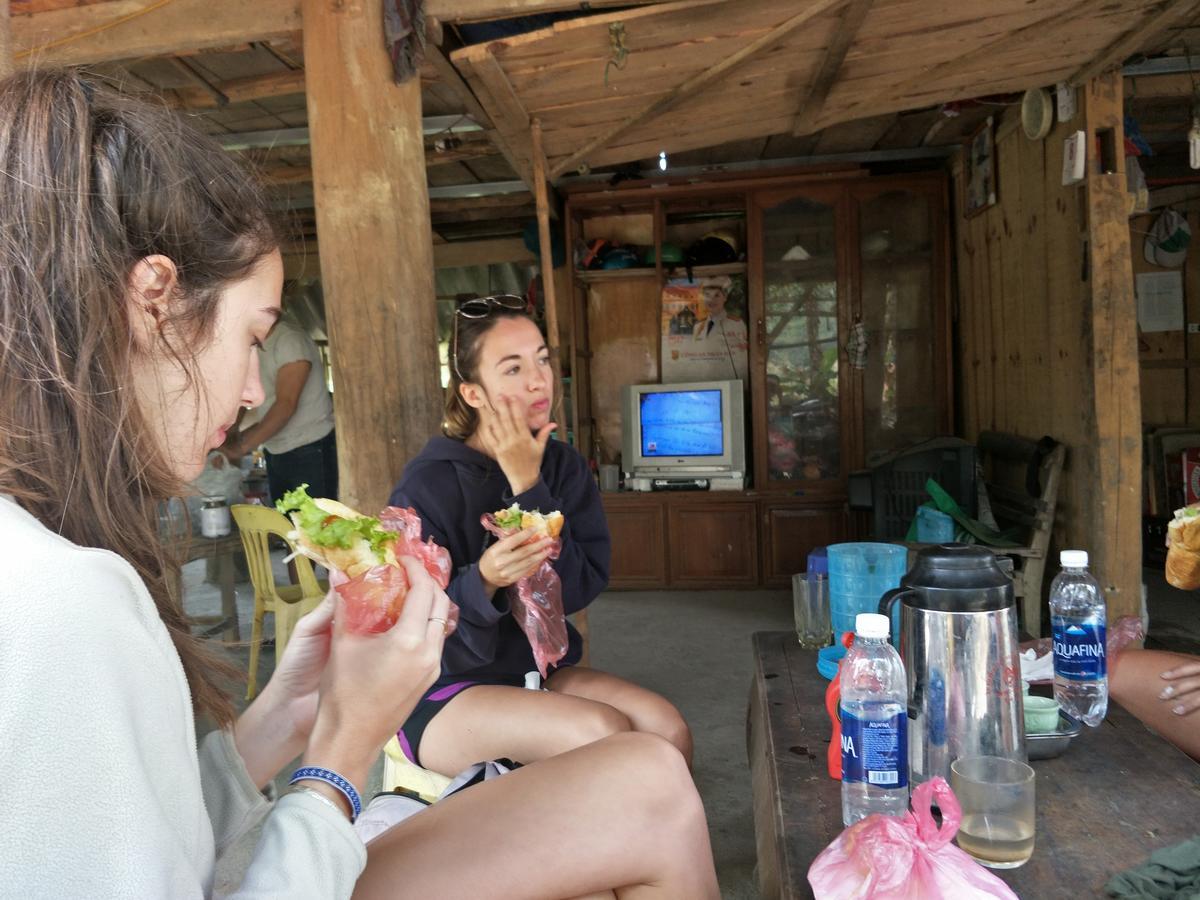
286 602
399 772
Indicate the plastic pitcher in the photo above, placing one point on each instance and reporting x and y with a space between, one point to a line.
859 575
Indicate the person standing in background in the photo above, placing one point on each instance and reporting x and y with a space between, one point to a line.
296 426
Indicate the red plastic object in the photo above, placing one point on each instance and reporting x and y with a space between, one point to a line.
833 697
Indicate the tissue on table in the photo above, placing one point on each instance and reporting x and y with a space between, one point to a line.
1037 668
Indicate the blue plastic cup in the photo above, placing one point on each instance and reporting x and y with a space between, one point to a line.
859 575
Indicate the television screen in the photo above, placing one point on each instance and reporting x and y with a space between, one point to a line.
682 423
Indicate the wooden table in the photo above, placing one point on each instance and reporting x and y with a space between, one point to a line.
1117 794
221 549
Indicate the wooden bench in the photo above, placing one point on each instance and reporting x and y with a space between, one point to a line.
1118 793
1021 500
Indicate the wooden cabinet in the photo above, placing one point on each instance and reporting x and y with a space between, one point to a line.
638 527
846 280
716 540
790 531
713 543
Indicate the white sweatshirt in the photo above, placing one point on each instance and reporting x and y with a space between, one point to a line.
102 790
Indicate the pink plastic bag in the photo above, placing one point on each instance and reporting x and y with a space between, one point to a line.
537 605
904 858
371 602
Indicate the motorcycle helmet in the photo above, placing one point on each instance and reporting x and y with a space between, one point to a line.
715 248
620 258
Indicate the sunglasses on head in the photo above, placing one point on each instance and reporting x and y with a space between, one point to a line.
481 308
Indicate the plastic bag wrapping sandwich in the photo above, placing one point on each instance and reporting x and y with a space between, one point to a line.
537 605
371 602
904 857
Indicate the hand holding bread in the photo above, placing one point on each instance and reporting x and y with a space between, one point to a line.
1183 549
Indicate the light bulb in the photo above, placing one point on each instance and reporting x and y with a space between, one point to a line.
662 160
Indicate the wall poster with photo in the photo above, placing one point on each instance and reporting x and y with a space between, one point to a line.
704 334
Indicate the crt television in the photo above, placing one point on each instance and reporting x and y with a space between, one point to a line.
695 429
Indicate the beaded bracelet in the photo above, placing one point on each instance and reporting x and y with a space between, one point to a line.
316 773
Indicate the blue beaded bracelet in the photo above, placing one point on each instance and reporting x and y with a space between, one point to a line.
316 773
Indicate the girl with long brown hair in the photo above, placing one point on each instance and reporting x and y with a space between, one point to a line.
139 272
495 451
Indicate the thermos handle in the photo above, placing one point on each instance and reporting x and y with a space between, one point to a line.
889 599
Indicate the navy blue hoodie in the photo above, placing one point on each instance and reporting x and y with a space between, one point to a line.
451 485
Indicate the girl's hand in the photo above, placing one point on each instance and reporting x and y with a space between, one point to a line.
372 682
277 725
512 558
1184 688
518 451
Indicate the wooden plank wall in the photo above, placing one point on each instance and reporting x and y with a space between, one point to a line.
1021 344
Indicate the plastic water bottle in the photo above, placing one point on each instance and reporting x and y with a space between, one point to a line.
874 713
1078 622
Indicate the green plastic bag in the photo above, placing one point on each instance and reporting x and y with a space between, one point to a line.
969 530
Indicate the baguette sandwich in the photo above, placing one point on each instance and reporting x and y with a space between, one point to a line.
1183 549
336 536
516 519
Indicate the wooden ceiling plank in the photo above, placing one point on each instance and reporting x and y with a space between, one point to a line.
852 19
127 29
481 253
260 87
696 83
1170 14
990 49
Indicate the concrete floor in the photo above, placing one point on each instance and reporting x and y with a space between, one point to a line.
694 648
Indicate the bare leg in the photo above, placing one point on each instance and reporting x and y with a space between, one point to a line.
646 710
621 814
498 722
1137 684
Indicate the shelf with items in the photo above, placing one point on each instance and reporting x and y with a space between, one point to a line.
591 275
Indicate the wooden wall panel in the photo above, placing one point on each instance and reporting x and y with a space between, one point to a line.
1021 347
623 327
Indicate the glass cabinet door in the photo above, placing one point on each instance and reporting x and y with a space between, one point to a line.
798 341
902 395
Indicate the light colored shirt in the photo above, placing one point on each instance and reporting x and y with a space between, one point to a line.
105 793
313 418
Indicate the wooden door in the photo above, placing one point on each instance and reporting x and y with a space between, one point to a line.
901 300
790 531
804 416
714 543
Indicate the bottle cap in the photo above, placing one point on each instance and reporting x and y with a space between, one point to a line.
1073 559
871 625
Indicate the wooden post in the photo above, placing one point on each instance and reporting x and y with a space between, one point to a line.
6 56
376 247
541 196
1115 402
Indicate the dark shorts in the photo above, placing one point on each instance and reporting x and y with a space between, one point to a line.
431 704
313 464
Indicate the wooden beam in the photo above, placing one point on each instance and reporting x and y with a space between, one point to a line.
376 249
853 16
1114 454
480 10
450 77
481 253
512 122
696 83
125 29
545 245
260 87
1154 87
6 56
1169 14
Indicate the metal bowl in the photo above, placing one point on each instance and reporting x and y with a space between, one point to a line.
1053 743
